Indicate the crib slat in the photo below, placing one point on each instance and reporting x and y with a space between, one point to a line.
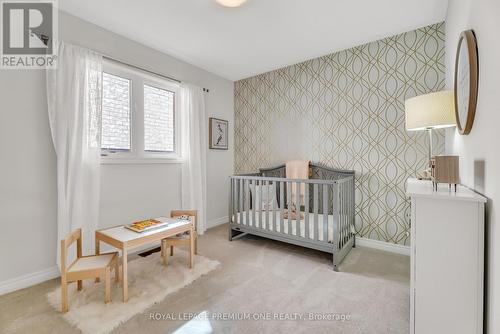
345 200
289 203
297 213
343 190
261 185
349 211
254 201
242 199
273 198
231 201
306 210
336 214
240 204
267 205
352 223
235 206
339 212
247 202
315 209
325 212
348 205
342 215
235 200
282 204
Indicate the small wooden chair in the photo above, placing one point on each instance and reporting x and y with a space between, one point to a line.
84 267
182 239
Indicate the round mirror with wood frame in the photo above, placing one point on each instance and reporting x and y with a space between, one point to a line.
466 81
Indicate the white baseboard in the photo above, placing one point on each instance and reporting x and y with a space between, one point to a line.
41 276
382 245
216 222
28 280
363 242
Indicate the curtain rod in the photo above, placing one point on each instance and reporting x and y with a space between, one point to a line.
105 56
140 68
145 70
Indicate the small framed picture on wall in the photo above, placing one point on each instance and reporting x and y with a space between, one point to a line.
218 134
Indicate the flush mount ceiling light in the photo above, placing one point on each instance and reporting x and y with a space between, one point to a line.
231 3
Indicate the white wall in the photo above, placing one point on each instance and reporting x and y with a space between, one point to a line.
28 168
479 152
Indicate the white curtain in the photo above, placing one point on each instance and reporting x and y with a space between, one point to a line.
194 151
74 105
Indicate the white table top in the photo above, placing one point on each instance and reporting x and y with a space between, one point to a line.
123 234
422 188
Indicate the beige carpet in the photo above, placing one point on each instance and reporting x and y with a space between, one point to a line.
149 283
255 275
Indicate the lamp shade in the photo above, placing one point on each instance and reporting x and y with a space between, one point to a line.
430 111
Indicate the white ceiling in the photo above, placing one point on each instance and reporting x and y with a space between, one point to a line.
259 36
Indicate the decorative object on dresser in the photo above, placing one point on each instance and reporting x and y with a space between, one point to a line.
444 169
447 259
428 112
323 218
180 239
218 134
466 81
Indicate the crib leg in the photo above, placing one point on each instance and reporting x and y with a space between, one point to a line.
235 234
354 241
334 264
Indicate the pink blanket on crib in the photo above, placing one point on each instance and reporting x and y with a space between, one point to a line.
297 169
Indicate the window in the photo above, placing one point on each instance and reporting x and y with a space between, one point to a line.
139 116
158 119
115 112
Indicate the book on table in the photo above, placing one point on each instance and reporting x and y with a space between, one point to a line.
148 224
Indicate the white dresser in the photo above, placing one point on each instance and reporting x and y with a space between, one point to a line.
447 259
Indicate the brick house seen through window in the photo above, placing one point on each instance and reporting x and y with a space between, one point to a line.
139 116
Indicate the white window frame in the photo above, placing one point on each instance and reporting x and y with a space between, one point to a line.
137 153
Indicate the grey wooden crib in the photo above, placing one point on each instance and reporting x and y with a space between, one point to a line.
267 204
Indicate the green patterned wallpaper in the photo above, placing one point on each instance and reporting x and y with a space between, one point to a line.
346 110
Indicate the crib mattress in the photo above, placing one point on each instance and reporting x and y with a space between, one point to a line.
270 226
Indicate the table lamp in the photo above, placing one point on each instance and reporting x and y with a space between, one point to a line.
430 111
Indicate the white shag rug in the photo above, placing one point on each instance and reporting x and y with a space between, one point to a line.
149 282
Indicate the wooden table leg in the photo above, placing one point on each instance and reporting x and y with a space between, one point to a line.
64 294
97 252
124 274
191 248
107 282
117 269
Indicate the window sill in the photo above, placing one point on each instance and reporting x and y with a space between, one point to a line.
140 161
